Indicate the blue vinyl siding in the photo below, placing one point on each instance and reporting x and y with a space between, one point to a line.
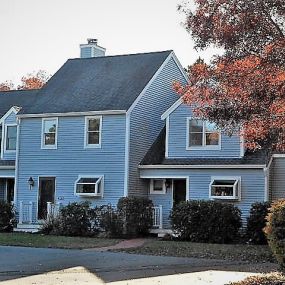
86 52
252 186
230 146
7 173
11 119
71 159
146 121
277 179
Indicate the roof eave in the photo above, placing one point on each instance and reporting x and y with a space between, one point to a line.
224 166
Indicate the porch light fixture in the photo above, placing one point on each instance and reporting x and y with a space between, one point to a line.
167 183
31 182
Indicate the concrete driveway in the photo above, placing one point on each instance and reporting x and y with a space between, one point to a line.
19 265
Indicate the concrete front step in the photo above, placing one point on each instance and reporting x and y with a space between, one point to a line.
27 228
161 232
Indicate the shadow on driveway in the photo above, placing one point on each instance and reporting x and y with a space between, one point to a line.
17 262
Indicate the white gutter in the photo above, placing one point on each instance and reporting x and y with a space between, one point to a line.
159 166
69 114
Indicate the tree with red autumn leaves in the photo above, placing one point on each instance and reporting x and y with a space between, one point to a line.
243 89
34 80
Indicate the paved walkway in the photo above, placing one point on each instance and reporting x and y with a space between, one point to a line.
129 243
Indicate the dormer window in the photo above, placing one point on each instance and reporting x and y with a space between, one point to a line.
202 134
49 133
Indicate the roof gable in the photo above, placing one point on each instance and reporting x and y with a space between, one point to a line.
97 84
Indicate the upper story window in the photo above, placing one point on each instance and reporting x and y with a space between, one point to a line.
49 133
93 127
11 137
202 134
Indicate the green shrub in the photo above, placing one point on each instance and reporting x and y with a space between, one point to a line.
75 219
109 221
206 221
268 279
136 215
256 223
275 231
7 217
133 217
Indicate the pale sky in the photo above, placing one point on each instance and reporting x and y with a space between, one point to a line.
43 34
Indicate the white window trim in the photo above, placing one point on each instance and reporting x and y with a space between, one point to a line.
5 139
236 196
86 145
101 179
43 146
204 146
151 184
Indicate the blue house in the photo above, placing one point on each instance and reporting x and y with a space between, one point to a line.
106 127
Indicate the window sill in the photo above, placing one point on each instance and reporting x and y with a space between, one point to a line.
89 195
224 198
9 151
157 192
92 146
203 148
45 147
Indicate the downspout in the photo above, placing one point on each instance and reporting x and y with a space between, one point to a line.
266 180
17 162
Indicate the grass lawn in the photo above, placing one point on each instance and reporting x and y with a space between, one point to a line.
39 240
236 252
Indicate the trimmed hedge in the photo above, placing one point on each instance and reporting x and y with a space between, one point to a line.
256 223
275 231
206 221
7 217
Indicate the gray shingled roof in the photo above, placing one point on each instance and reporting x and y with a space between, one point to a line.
97 84
156 156
20 98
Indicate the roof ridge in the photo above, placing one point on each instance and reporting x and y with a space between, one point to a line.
120 55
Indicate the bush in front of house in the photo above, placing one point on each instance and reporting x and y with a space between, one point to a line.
206 221
275 231
7 217
109 221
132 218
135 214
75 219
256 223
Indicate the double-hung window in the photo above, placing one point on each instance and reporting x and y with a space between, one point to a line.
202 134
11 138
89 186
225 188
93 131
49 133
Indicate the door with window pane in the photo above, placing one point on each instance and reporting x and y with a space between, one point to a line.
46 194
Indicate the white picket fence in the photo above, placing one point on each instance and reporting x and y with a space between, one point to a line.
157 216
